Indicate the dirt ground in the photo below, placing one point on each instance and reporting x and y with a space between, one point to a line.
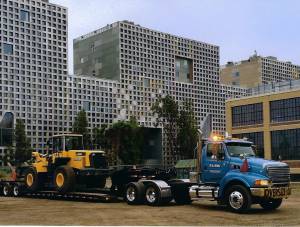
26 211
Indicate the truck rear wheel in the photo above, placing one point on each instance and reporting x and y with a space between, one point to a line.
271 204
64 179
134 193
31 179
152 195
238 198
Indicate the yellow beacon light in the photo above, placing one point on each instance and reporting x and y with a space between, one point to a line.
215 138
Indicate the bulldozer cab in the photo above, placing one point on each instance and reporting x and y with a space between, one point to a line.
65 142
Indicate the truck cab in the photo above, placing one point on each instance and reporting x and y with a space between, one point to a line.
231 173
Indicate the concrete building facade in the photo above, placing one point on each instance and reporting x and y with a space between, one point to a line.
270 118
258 70
33 66
149 63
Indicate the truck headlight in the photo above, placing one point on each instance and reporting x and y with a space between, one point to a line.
263 183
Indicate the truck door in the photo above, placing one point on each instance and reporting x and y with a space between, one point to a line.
215 164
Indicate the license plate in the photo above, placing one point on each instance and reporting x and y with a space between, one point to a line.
277 193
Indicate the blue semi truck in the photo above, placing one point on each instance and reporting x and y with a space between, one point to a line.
228 172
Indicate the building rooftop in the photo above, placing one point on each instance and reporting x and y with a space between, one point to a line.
274 87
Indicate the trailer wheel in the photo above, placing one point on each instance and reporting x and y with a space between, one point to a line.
271 204
238 198
64 179
31 179
134 193
152 196
6 190
16 190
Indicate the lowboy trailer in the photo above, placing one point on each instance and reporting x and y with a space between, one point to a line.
228 172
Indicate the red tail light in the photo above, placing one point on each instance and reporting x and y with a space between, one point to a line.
245 166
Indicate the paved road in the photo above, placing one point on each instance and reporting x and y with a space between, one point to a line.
24 211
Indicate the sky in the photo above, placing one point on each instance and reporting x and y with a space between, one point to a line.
238 27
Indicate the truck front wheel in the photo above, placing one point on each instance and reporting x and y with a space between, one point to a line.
271 204
238 198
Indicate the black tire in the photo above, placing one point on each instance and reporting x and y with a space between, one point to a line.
271 204
31 180
238 198
134 193
7 190
181 193
152 195
64 179
16 190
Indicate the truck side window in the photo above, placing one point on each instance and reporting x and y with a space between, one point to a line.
57 144
215 151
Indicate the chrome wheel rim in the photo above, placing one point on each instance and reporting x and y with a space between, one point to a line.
16 191
151 195
236 200
130 193
5 190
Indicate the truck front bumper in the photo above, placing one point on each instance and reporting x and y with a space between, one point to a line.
272 192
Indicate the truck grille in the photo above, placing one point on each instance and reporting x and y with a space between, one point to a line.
279 175
98 161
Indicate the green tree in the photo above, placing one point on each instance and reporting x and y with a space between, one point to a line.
80 126
166 109
99 138
9 156
126 141
23 149
187 131
179 126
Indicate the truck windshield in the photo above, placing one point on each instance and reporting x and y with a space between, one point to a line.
74 143
236 149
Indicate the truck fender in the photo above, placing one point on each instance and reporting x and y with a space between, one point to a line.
231 179
164 188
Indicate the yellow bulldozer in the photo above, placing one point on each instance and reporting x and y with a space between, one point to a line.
66 165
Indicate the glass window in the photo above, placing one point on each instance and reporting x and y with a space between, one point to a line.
215 151
286 144
236 149
251 114
74 143
257 138
6 137
58 144
285 110
147 82
86 105
24 15
7 48
184 70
